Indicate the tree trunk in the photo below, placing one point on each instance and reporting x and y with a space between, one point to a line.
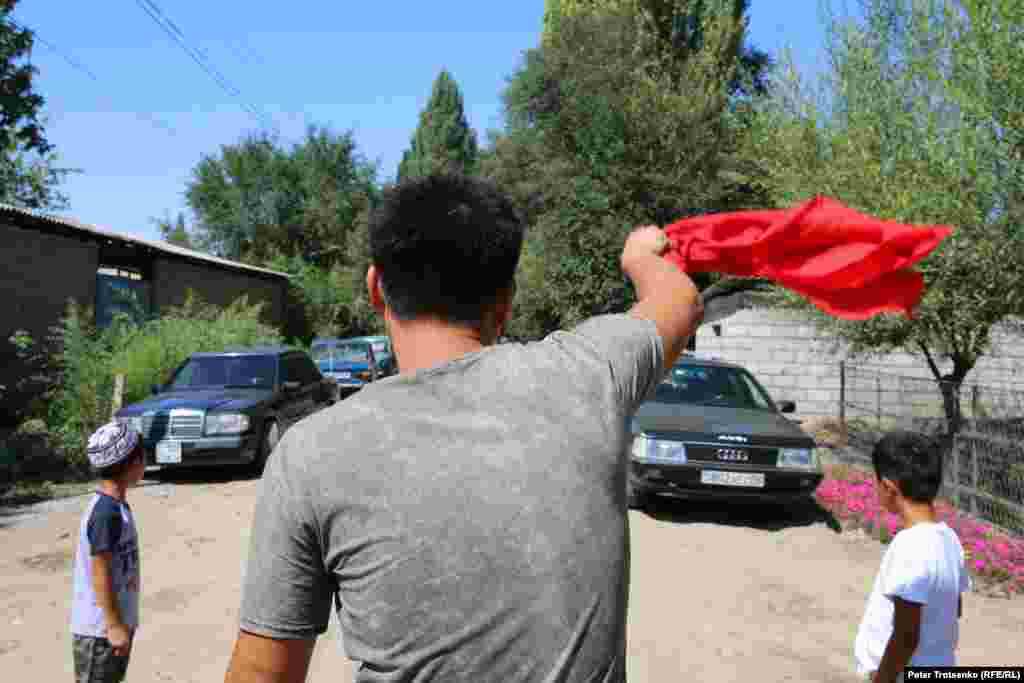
951 404
950 385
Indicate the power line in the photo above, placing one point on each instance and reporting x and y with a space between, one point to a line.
200 58
79 66
67 57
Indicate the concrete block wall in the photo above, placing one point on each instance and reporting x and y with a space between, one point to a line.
795 362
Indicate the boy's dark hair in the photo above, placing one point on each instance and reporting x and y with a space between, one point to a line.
117 470
913 461
445 245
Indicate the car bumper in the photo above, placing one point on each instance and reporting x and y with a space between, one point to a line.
346 383
210 451
684 481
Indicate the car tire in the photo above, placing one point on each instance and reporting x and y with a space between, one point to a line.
636 497
271 435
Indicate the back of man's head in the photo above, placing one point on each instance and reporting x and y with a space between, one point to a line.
445 246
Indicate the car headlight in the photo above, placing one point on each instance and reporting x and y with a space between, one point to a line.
226 423
797 458
133 423
648 450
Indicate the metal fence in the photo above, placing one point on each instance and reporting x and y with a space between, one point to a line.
984 472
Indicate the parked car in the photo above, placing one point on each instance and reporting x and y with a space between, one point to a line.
351 363
228 408
711 430
387 364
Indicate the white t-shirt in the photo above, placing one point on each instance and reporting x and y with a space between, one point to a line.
923 564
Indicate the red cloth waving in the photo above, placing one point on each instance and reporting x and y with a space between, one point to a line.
847 264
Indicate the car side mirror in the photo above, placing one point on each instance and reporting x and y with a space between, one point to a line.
291 386
787 407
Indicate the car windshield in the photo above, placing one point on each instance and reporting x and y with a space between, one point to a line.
711 385
224 371
321 352
342 353
380 347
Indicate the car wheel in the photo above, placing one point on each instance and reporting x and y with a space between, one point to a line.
636 497
271 435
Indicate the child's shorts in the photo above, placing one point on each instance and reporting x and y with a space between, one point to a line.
95 661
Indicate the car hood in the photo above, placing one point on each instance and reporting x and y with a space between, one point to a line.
206 400
757 426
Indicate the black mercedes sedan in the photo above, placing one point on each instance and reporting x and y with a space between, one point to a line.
227 408
711 430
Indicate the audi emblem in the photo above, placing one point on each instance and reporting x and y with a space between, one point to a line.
733 454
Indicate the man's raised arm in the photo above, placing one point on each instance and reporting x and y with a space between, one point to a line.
665 295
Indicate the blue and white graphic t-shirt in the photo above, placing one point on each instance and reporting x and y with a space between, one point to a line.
107 526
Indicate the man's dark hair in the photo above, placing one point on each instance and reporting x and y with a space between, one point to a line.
117 470
913 461
445 245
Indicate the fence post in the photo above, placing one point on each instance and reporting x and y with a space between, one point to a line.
842 391
878 402
115 405
974 476
907 422
957 498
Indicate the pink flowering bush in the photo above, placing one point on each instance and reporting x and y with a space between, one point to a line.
993 557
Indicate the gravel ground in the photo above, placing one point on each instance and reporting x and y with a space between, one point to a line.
718 593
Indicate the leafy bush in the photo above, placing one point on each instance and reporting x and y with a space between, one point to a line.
84 368
332 300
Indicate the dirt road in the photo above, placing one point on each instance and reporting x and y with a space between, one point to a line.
716 594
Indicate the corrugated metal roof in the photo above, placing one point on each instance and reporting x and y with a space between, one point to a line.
164 247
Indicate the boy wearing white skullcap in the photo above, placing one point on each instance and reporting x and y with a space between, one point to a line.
105 610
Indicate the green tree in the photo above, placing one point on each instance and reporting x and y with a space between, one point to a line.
301 211
257 198
680 25
175 232
611 124
443 140
30 176
918 121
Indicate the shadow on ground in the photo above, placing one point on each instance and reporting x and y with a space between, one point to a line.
19 509
763 516
201 475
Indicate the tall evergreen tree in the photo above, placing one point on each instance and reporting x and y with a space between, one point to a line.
443 141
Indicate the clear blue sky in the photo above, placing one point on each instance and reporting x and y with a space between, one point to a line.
151 114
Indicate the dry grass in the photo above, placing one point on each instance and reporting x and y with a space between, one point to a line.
826 431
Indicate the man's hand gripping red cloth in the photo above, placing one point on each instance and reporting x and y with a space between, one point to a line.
848 264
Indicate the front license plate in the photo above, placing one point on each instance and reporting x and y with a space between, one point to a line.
751 479
344 375
168 452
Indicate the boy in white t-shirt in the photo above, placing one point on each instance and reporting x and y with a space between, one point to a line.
912 616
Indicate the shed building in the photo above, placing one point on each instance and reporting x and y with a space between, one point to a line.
46 260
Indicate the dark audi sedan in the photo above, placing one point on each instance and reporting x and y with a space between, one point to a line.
228 408
711 430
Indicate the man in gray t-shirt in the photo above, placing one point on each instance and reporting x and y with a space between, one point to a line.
466 518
